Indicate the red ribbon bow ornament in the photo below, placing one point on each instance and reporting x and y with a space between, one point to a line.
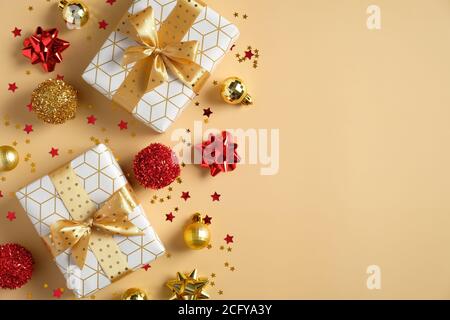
219 153
45 47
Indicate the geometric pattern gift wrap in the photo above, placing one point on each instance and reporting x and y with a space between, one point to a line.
101 177
160 107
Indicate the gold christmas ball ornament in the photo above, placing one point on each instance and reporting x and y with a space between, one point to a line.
234 91
54 101
135 294
75 13
197 235
9 158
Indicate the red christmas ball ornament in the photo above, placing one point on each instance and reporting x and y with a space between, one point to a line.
156 166
16 266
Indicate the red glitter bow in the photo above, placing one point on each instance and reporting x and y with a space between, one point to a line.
219 153
45 47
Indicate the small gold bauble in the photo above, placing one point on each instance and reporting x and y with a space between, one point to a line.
234 91
135 294
54 101
197 235
9 158
75 13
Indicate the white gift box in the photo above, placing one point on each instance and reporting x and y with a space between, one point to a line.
160 107
101 177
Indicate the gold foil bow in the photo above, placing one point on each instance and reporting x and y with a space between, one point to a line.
160 51
92 228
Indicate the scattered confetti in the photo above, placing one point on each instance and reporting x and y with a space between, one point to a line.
146 266
170 217
54 152
229 239
123 125
185 196
17 32
11 216
12 87
102 24
91 119
207 219
28 128
215 197
57 293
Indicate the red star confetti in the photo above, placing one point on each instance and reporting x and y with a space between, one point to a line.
91 119
28 128
30 107
17 32
11 216
249 54
170 217
146 267
207 219
207 112
57 293
185 196
229 239
1 194
102 24
12 87
123 125
110 2
59 77
215 196
54 152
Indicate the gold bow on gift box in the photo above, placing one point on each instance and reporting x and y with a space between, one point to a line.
160 51
92 228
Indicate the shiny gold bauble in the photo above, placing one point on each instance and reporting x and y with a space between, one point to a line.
197 235
135 294
9 158
54 101
75 13
234 91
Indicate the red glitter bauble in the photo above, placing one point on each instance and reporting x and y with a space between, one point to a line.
156 166
16 266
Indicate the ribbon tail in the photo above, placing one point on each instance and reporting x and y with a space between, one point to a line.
188 72
80 249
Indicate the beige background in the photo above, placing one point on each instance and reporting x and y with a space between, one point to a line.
364 177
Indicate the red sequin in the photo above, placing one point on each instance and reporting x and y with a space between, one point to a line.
16 266
156 166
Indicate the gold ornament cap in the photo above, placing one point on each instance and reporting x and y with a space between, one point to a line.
9 158
75 13
197 235
135 294
234 91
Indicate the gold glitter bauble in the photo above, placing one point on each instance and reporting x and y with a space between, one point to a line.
135 294
75 13
197 235
234 91
54 101
9 158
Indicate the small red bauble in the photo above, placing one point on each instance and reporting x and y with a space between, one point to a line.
16 266
156 166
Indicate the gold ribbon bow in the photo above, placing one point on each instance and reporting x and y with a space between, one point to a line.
92 228
160 51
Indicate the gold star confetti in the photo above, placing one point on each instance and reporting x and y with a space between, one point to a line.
245 16
236 14
209 246
229 249
179 180
226 264
176 209
30 8
168 255
213 275
27 141
232 268
212 284
14 143
222 247
215 82
28 72
220 292
170 189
